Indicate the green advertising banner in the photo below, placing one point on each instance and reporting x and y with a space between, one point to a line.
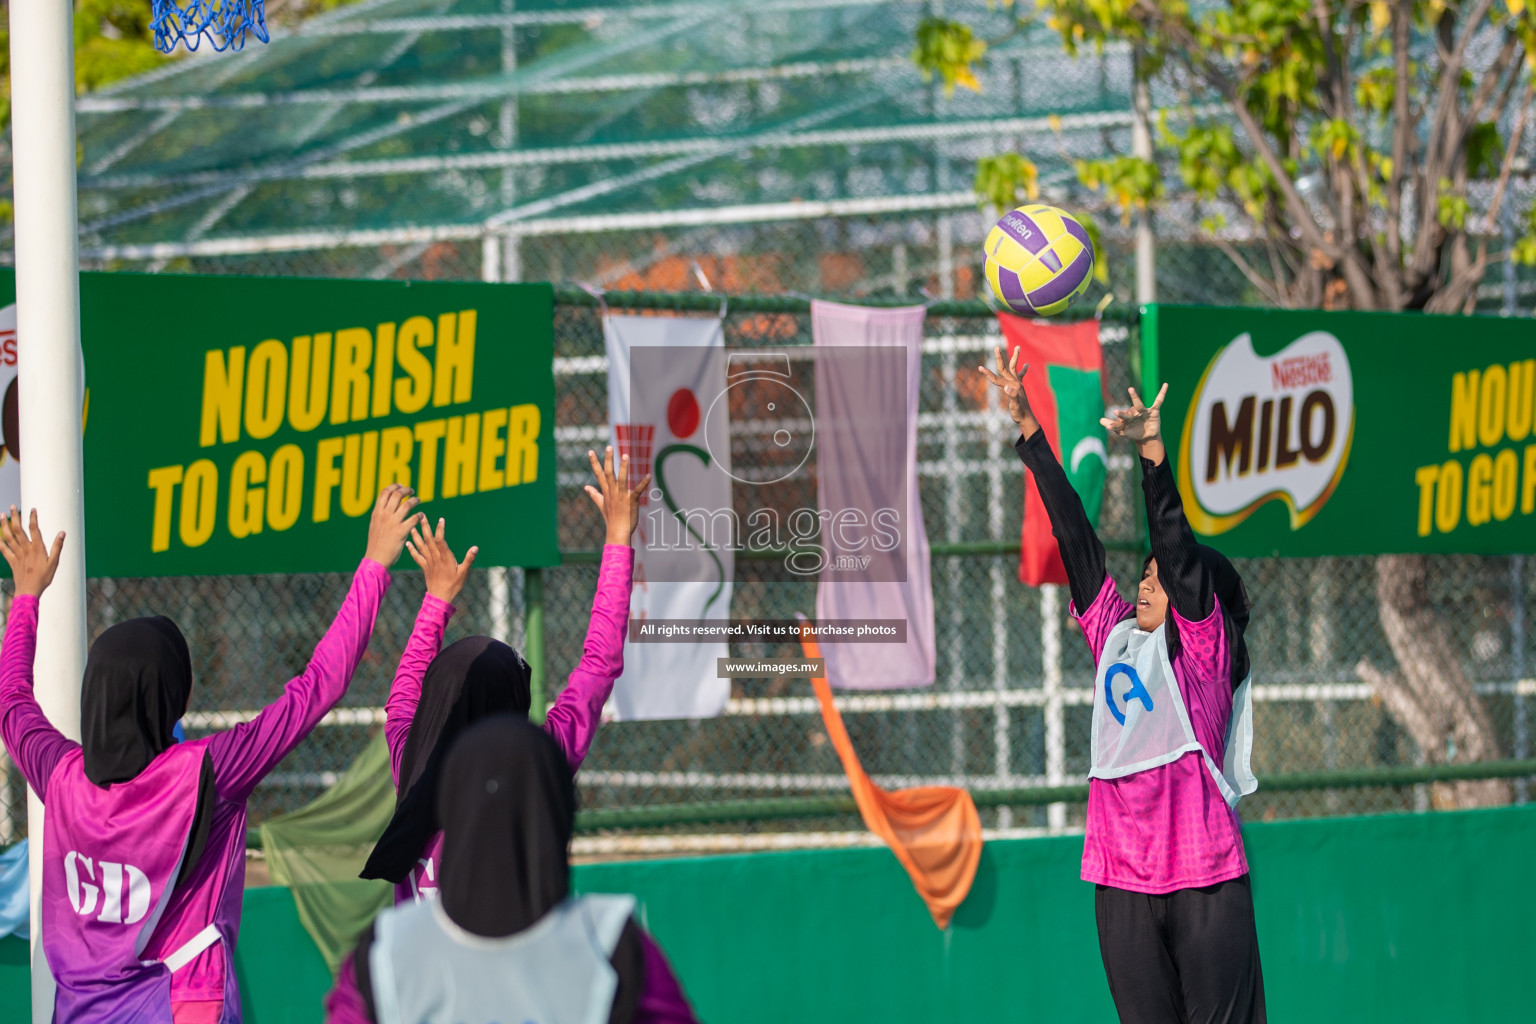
1300 433
246 424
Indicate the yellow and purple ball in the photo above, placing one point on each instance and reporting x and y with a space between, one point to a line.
1039 259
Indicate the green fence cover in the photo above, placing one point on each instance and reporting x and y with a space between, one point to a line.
1397 919
318 850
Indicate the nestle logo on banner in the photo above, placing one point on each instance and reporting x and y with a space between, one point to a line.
1263 428
1300 371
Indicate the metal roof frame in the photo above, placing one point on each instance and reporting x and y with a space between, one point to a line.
865 102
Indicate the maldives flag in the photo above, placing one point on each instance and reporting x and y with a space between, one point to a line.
1065 388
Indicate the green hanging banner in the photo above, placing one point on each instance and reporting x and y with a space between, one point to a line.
246 425
1301 432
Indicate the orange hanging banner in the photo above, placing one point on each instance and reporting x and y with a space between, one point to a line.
934 831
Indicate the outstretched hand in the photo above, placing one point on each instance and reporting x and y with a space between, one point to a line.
1010 378
391 524
619 504
32 564
445 574
1141 423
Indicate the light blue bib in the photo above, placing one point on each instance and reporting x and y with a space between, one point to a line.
428 970
1140 721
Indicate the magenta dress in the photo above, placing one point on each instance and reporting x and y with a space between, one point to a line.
111 856
1167 828
204 990
572 721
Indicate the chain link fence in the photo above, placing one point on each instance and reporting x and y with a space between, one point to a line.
1008 716
1010 707
916 255
775 148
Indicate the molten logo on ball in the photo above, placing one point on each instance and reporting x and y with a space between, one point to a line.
1039 259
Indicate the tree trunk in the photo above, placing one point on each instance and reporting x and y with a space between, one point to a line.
1429 693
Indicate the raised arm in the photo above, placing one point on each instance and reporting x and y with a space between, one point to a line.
573 719
1183 576
1081 551
445 576
32 741
405 692
243 755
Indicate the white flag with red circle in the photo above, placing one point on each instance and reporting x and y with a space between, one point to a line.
663 374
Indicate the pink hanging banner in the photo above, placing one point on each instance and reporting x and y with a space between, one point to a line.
867 373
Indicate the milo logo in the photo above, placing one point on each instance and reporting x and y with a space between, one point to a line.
1271 428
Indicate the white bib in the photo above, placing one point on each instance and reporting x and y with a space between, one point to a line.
1140 722
428 970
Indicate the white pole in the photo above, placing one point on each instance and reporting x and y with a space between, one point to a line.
49 367
491 271
1055 705
490 258
1141 148
1002 723
501 263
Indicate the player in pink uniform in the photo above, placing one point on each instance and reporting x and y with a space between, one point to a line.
436 697
1170 744
144 852
505 939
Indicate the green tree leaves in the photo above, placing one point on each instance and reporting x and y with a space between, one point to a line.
950 50
112 42
1132 183
1349 157
1485 150
1003 180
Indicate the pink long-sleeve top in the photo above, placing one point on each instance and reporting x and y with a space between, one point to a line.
572 721
205 991
1167 828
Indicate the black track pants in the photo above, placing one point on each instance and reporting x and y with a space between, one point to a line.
1188 957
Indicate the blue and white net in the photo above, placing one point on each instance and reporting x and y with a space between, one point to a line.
223 23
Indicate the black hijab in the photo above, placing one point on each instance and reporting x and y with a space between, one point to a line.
1235 607
138 680
469 680
508 809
